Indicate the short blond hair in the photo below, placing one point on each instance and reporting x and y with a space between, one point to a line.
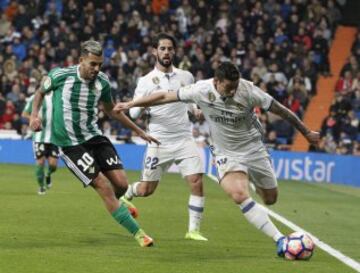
92 47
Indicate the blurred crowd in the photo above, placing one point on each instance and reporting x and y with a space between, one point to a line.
281 46
340 130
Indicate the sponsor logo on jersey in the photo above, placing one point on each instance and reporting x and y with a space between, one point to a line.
156 80
98 87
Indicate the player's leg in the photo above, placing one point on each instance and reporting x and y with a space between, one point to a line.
269 196
119 211
39 153
156 160
81 161
262 175
39 171
52 157
236 185
192 169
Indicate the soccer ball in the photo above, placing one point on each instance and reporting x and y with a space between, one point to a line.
298 246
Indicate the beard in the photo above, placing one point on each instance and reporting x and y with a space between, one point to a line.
166 63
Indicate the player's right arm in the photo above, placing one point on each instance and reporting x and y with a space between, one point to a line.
28 108
35 121
188 93
151 100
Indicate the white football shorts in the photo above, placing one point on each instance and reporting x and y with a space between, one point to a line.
158 159
260 171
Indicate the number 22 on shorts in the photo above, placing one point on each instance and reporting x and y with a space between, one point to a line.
151 162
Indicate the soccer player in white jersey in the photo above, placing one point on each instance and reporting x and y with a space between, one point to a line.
77 91
171 126
44 150
227 103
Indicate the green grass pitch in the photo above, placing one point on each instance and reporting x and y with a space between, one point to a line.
68 230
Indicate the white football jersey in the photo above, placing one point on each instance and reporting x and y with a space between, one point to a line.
235 129
170 122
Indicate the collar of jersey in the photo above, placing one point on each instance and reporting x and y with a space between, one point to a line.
78 75
162 74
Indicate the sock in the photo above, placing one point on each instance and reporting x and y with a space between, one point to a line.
196 208
123 217
132 191
258 217
51 169
39 172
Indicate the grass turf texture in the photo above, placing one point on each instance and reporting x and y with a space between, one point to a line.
68 229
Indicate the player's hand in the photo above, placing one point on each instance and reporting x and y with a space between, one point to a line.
198 114
148 138
122 106
35 124
313 137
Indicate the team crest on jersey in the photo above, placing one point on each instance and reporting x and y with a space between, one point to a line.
47 83
211 97
156 80
97 86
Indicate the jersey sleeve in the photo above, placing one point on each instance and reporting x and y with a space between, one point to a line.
104 86
48 83
189 93
260 98
28 105
141 90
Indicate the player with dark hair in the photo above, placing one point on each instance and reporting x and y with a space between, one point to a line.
171 125
228 103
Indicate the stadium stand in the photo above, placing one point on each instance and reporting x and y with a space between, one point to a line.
340 129
280 45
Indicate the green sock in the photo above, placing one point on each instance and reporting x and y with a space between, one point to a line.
124 218
51 169
39 171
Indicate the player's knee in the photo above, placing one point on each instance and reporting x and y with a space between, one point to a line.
238 197
195 182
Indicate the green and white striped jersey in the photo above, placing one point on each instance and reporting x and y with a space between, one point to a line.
45 114
75 102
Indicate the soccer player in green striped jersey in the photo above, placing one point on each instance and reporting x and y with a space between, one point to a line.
77 91
44 150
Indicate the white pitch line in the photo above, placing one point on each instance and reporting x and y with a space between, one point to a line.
328 249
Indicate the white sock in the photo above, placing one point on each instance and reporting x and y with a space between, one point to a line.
132 191
196 208
257 216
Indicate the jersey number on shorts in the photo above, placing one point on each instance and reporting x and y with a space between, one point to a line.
150 162
40 147
85 161
222 161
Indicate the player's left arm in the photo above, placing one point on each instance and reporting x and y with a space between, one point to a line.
279 109
120 116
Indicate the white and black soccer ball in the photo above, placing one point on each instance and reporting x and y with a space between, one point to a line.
298 246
